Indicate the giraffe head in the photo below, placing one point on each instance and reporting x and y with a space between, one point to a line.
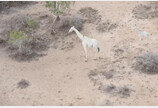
71 29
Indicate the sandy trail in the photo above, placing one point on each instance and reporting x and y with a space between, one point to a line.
61 77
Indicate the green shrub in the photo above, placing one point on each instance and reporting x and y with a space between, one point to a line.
15 36
32 24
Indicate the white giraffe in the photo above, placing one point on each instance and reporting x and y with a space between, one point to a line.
86 42
141 33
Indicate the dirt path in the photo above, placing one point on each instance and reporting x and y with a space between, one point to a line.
61 77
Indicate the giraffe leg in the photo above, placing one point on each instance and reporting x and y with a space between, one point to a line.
85 50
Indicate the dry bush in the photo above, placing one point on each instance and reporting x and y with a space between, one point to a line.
90 14
17 23
28 49
106 103
5 5
110 89
92 76
92 73
3 43
62 25
95 73
106 26
146 63
108 74
146 11
64 43
22 84
118 52
123 92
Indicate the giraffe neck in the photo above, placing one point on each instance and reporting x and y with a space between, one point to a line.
78 34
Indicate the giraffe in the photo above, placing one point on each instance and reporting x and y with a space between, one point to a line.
86 42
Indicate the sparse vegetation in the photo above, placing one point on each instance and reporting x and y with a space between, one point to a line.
23 44
146 63
25 36
106 26
146 11
91 14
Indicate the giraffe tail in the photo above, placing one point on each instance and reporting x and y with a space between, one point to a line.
98 49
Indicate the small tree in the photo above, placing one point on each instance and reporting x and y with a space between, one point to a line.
58 7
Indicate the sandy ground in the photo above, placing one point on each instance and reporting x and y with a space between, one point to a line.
61 77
